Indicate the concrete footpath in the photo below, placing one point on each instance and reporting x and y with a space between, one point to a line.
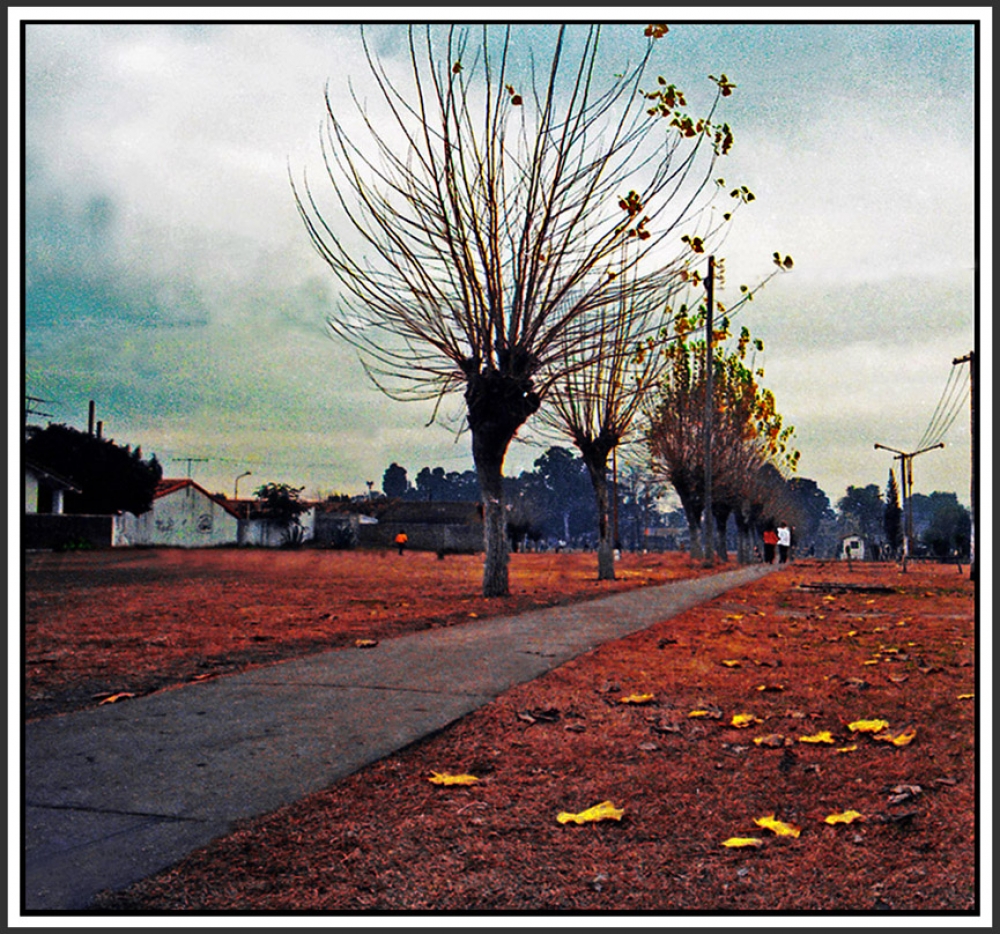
116 793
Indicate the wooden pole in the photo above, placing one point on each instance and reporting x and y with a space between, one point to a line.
708 535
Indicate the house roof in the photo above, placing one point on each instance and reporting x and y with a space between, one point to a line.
166 486
53 479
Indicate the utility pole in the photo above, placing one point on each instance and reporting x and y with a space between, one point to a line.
906 472
190 461
970 358
707 535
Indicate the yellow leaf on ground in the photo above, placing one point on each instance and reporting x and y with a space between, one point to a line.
603 811
903 738
731 662
867 726
870 661
824 736
636 699
742 720
365 643
965 696
850 748
743 841
772 740
844 817
442 778
114 698
770 822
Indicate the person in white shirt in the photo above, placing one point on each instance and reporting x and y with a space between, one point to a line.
784 542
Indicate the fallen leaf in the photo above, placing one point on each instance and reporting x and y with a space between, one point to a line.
823 736
899 679
868 726
442 778
636 699
649 747
778 827
365 643
603 811
713 713
114 698
770 687
772 740
903 738
731 662
844 817
965 696
743 720
850 748
736 842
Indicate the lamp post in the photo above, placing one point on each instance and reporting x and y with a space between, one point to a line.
236 486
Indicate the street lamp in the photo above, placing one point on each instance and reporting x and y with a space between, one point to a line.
236 486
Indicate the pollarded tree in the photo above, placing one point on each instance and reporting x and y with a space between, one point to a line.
475 221
747 430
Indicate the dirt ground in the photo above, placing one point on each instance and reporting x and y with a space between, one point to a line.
694 730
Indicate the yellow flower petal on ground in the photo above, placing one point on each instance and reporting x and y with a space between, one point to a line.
824 736
844 817
742 720
603 811
868 726
903 738
736 842
636 699
850 748
442 778
770 822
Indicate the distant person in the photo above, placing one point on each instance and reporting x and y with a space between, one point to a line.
770 543
784 542
401 541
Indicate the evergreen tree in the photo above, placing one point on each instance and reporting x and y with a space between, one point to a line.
893 521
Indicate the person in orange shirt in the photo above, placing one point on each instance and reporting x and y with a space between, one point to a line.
770 541
401 541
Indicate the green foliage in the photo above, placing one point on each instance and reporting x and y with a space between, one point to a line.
111 478
281 502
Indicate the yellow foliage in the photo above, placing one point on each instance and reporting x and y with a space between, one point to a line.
844 817
824 736
770 822
442 778
603 811
743 841
867 726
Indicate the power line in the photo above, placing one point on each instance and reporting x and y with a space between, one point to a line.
953 397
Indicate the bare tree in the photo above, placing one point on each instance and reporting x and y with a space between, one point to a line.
475 224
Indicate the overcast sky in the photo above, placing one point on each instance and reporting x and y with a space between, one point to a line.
168 277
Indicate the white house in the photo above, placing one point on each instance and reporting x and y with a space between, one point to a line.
43 489
853 547
183 514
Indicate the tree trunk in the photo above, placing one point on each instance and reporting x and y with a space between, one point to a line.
721 517
497 405
595 456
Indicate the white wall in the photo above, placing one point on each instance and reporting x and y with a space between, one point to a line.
186 518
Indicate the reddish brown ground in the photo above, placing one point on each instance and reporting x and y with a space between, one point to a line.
816 647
